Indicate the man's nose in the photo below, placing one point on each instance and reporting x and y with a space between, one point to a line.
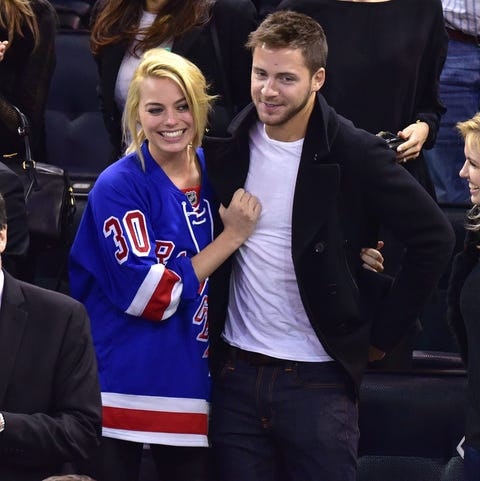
268 88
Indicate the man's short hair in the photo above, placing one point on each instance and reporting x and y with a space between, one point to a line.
287 29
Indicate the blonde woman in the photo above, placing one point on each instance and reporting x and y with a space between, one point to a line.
27 54
463 292
140 263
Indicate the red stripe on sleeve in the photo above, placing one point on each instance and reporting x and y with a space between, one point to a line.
161 297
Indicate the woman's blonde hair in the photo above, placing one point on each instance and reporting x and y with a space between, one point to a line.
470 131
15 15
160 63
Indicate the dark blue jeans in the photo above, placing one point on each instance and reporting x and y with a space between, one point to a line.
460 93
290 421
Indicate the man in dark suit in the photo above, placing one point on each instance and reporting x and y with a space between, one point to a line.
14 258
289 350
50 410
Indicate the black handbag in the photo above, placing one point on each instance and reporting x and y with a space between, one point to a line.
49 199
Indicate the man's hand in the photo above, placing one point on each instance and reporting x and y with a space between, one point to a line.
372 258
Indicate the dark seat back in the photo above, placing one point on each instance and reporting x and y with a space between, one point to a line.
76 136
410 425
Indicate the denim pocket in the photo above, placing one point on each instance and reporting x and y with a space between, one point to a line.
227 366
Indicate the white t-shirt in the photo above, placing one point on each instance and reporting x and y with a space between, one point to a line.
265 312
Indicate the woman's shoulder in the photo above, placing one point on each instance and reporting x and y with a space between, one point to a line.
122 173
43 7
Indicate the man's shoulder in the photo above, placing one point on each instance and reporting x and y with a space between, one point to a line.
342 134
41 300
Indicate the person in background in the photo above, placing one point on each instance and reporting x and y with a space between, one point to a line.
462 297
49 394
211 34
141 262
404 43
15 256
293 317
460 92
27 32
264 7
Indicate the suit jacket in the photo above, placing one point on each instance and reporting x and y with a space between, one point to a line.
347 180
234 20
49 391
18 238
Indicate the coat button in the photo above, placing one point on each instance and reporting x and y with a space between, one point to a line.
343 328
319 247
332 289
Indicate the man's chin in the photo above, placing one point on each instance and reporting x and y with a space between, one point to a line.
271 120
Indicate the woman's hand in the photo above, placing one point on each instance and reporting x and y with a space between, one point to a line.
241 216
239 220
3 49
415 136
372 258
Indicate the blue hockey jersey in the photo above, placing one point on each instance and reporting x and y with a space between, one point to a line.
130 265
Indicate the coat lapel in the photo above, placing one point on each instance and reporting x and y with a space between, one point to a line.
13 321
318 179
227 159
316 190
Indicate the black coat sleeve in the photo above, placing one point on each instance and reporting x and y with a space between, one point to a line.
398 202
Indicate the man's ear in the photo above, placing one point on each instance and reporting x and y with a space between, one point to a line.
318 79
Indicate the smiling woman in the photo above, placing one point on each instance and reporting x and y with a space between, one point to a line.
149 224
471 168
463 294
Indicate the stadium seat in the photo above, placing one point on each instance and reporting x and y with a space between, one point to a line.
410 425
76 137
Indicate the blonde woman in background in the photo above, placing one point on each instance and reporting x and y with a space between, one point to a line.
464 289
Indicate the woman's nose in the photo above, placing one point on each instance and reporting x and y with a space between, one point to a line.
464 170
